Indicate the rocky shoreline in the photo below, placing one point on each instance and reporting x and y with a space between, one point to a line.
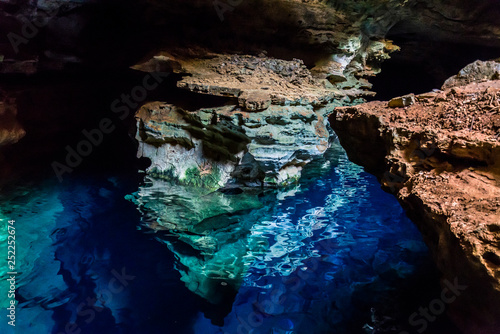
439 154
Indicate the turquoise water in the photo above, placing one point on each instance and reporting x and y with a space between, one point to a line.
315 258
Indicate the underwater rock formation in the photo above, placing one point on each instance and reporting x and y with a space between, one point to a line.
11 131
217 235
206 230
273 241
440 156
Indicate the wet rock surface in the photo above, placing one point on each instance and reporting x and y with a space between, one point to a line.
441 158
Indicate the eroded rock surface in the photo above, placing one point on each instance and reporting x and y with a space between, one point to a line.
441 157
477 71
273 121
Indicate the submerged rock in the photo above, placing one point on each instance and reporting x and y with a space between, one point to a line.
441 157
208 231
217 235
206 147
63 28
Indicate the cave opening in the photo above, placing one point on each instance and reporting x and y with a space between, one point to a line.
424 64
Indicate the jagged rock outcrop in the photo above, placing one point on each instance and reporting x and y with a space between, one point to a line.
477 71
202 221
11 130
440 156
272 124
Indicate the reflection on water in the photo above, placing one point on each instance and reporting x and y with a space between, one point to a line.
99 255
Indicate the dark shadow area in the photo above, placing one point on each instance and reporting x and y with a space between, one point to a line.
56 109
423 65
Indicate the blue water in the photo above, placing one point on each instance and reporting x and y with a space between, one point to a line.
315 258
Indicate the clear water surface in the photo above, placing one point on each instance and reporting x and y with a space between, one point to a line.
335 254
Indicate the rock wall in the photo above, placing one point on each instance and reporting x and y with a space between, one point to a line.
439 154
341 43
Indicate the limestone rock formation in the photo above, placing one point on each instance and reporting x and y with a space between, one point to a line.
441 157
280 67
272 124
477 71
